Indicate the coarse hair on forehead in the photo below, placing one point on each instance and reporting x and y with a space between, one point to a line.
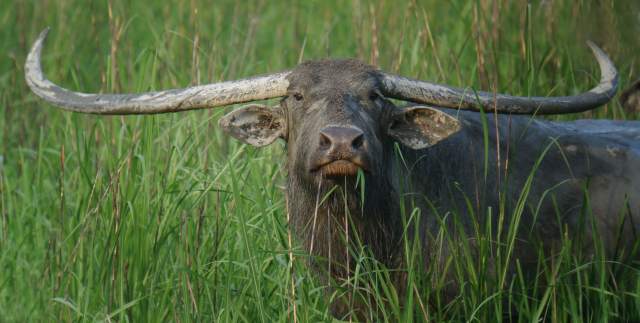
334 72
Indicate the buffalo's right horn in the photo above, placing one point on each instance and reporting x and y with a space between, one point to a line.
196 97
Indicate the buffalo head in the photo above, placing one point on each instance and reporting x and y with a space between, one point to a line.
336 120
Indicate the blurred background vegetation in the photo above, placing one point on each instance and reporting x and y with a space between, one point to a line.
162 218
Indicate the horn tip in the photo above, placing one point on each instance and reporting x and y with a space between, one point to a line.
32 66
41 37
609 74
34 53
595 48
44 32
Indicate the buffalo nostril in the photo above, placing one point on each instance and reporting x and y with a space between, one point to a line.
325 141
358 142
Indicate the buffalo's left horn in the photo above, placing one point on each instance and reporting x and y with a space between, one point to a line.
449 97
196 97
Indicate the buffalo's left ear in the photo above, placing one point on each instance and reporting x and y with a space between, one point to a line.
419 127
257 125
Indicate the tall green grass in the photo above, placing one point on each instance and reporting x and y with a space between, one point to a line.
163 218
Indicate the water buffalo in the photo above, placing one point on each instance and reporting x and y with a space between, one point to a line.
438 156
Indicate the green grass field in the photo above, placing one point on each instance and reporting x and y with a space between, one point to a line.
164 218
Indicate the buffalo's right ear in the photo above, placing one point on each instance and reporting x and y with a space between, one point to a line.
257 125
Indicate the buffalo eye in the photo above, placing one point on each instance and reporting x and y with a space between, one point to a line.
374 96
298 96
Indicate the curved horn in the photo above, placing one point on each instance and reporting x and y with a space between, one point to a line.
449 97
196 97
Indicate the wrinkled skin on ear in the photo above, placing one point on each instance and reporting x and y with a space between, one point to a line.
420 127
256 125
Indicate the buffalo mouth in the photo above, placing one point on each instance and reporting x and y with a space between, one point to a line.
340 168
